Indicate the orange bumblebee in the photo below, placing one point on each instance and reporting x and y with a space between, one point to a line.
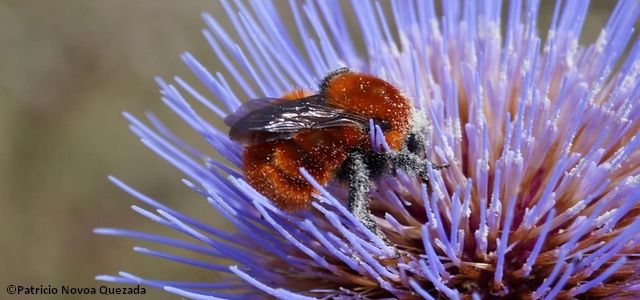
327 134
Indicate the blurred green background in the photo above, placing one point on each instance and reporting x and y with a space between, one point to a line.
67 70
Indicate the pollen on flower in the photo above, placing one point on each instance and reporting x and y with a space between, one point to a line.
602 41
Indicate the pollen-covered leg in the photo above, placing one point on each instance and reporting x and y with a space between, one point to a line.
358 176
413 164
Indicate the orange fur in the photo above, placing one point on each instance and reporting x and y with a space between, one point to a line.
374 98
272 168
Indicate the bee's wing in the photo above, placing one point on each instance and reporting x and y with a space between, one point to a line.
267 119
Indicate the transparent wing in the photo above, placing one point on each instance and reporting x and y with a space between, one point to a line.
267 119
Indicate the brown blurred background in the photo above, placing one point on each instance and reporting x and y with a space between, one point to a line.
67 70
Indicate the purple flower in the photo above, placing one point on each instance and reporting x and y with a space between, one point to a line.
541 197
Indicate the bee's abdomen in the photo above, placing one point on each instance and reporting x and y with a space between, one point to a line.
272 168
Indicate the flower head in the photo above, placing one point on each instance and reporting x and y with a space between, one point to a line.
541 196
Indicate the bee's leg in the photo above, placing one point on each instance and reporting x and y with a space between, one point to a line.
359 185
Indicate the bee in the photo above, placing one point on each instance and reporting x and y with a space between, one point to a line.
327 133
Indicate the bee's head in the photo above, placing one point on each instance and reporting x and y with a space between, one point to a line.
416 144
